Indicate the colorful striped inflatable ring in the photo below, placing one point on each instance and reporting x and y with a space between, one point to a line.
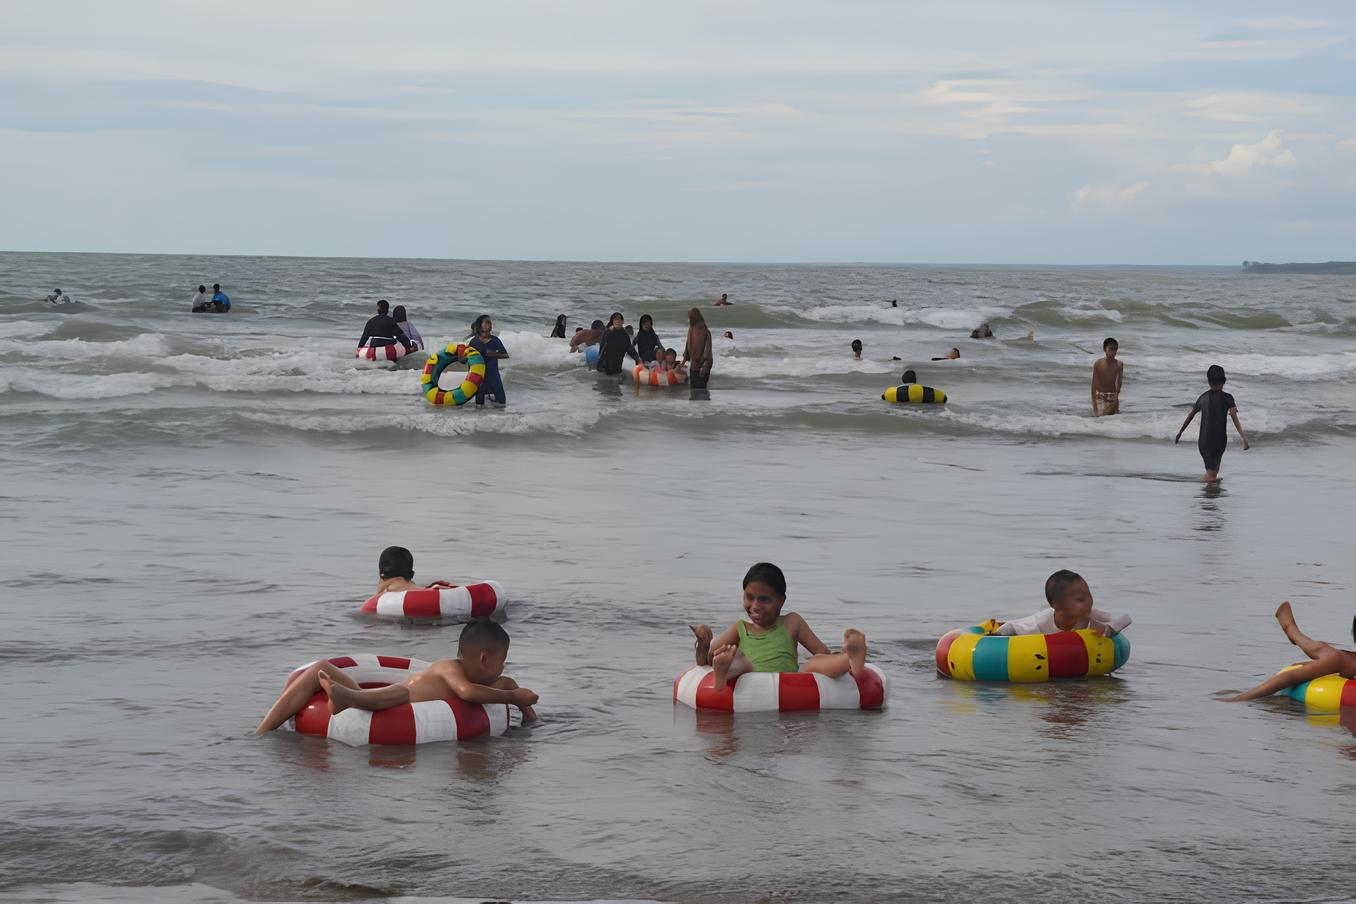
393 352
480 600
976 654
1328 694
410 723
439 362
914 394
787 692
646 377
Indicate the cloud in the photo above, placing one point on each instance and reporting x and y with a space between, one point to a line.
1347 144
1252 106
1107 195
1243 158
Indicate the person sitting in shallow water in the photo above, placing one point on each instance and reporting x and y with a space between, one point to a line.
949 356
856 349
1070 609
1323 660
767 640
475 676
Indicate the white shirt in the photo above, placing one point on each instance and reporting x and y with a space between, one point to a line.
200 299
1043 622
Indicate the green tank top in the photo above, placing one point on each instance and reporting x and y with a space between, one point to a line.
771 651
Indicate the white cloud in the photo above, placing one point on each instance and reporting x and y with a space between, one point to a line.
1107 195
1252 106
1242 158
1347 144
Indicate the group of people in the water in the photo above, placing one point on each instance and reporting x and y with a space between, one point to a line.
390 327
765 640
615 341
216 303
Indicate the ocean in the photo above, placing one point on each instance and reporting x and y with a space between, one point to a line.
194 505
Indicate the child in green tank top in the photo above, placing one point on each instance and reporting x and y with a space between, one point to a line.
767 640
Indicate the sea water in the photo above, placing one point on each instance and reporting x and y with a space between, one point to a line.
194 504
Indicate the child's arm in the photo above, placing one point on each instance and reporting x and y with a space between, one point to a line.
1233 413
1120 377
455 678
1106 624
801 634
1094 387
1185 424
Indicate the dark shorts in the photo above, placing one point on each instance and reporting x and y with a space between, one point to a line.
698 377
1212 458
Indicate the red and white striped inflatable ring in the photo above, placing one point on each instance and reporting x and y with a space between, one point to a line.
787 692
646 377
410 723
479 600
393 352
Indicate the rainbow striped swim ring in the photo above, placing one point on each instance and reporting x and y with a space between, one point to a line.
1327 694
439 361
977 654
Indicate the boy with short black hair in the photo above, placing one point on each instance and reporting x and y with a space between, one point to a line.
1107 374
475 676
1215 407
1070 609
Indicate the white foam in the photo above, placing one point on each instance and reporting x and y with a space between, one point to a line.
946 318
1295 367
1123 426
148 345
571 421
24 329
80 386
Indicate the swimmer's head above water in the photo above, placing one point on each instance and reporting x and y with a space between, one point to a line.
1071 598
396 562
1215 375
764 594
909 377
383 307
857 348
482 649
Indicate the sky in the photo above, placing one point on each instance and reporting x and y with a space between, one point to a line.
957 132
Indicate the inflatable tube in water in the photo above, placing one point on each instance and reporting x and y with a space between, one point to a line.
787 692
393 352
646 377
480 600
410 723
976 654
1326 695
439 361
914 394
591 355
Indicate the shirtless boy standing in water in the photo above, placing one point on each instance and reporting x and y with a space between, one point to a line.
1107 374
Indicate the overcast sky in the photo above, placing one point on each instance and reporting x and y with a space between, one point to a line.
1003 132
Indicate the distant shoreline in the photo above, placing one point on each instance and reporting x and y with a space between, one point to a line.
1343 268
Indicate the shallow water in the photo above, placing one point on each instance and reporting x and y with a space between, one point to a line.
195 506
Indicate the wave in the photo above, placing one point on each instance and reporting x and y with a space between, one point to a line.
940 317
1319 366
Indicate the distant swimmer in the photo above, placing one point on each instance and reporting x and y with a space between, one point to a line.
909 376
698 349
729 335
1107 374
894 302
558 331
492 348
221 302
981 332
1215 407
402 320
724 301
58 297
590 336
382 330
856 349
949 356
202 302
1029 337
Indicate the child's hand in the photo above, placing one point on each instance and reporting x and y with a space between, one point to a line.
522 697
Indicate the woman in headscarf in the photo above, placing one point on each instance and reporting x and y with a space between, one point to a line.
648 343
698 349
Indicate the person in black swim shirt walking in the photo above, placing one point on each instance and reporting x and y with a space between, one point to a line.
1215 407
615 346
382 330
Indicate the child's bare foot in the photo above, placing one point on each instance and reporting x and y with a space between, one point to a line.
338 693
1286 617
720 661
854 645
703 643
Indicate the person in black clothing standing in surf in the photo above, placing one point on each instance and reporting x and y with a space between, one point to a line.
382 330
1215 408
